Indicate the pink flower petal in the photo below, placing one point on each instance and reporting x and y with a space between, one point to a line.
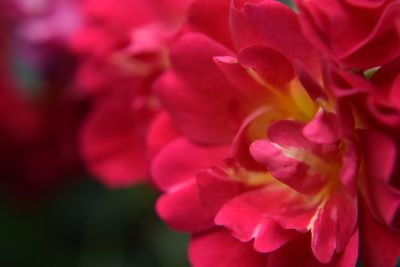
381 159
245 136
380 245
349 257
344 84
290 157
239 76
334 226
173 170
324 128
309 82
354 40
255 213
271 236
195 90
216 188
180 161
112 144
295 253
211 18
161 132
381 154
288 170
182 209
350 167
272 66
219 249
249 27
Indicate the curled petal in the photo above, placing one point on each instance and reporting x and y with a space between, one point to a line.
324 128
255 213
292 158
272 66
334 226
239 76
286 169
247 30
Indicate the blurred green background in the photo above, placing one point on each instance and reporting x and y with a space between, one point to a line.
86 225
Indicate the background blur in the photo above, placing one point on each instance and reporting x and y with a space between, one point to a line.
52 212
86 225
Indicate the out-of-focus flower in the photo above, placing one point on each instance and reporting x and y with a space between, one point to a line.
39 120
46 20
123 48
292 160
354 33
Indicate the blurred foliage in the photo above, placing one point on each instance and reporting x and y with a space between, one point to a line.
89 226
289 3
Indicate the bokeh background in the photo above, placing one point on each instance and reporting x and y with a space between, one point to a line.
85 225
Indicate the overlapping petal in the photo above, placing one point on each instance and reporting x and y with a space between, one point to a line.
356 34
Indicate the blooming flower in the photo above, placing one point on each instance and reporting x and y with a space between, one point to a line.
269 151
121 55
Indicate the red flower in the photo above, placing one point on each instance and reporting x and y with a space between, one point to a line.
269 152
123 47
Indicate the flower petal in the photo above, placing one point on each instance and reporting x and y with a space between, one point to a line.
216 188
350 167
174 170
291 158
381 160
219 249
272 66
382 248
161 132
211 18
182 209
253 214
112 143
180 161
334 226
195 90
249 27
324 128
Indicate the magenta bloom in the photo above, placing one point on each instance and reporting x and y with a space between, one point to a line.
273 167
123 46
